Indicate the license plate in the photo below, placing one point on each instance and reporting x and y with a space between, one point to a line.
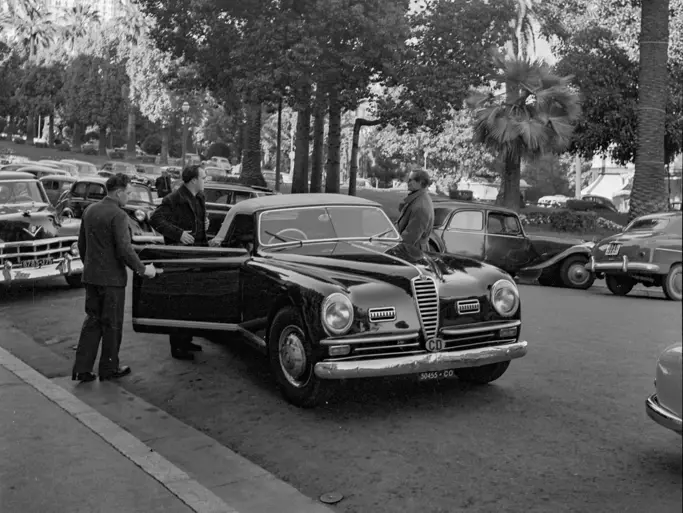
436 375
613 249
37 263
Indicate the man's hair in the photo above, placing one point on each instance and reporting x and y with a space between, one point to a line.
422 177
190 173
116 182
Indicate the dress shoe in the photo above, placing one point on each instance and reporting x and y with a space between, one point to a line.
124 370
83 377
182 354
191 346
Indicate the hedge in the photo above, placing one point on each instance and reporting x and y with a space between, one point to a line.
568 221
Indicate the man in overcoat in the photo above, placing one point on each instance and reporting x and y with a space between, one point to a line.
181 219
416 219
104 243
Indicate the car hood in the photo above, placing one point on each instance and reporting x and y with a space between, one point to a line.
27 222
351 264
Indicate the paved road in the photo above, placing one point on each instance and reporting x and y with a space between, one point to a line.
564 430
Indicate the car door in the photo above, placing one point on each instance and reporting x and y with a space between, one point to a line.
198 289
76 200
218 203
507 246
464 234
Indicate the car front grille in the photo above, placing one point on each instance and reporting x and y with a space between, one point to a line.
18 252
427 300
373 347
468 336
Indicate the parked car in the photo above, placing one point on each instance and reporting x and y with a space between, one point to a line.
60 164
126 168
495 235
323 285
150 172
648 251
56 185
665 405
91 189
15 166
221 162
39 171
215 173
34 244
592 203
221 196
84 168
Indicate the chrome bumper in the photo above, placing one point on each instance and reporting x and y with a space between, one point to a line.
624 266
70 265
427 362
662 416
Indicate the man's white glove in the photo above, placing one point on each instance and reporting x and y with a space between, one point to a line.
151 271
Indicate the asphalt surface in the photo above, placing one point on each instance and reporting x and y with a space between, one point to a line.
564 430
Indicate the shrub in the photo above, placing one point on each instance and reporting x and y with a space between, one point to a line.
152 144
64 146
17 139
569 221
218 149
90 150
117 154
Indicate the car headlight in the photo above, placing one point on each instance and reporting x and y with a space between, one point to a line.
140 216
505 298
337 313
74 249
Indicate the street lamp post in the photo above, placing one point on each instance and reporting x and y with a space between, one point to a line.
186 109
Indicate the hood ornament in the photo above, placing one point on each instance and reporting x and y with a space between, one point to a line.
33 230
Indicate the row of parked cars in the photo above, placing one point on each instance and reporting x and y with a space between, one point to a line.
322 284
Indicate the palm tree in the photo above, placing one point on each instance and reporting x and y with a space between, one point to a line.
534 116
76 22
649 192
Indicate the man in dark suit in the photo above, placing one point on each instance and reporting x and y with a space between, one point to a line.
163 184
104 243
181 219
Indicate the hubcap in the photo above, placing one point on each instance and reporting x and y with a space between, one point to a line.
676 283
293 355
578 274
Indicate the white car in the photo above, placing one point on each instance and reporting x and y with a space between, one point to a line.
221 162
666 404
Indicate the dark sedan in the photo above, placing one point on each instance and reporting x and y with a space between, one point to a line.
93 188
323 285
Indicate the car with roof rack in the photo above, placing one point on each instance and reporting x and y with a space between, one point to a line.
324 286
34 242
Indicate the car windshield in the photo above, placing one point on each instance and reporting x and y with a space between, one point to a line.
139 194
277 227
23 191
654 224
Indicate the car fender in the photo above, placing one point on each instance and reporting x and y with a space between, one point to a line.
436 239
579 249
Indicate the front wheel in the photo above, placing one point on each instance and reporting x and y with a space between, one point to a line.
290 354
484 374
74 281
574 274
671 285
619 285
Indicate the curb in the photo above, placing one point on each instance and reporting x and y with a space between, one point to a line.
198 498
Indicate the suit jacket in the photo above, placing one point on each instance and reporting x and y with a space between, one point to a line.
176 215
417 219
104 242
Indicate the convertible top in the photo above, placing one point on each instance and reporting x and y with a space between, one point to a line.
298 200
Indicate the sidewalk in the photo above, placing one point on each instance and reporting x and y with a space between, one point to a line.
62 453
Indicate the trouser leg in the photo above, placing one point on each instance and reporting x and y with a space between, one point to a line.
91 332
112 328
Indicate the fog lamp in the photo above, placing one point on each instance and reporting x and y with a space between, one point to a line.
508 332
340 350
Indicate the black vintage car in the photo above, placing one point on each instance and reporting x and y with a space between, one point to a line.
34 242
91 189
495 235
323 285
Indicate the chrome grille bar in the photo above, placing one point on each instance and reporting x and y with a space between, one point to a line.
384 314
427 300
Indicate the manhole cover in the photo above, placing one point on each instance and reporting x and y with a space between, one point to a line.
331 498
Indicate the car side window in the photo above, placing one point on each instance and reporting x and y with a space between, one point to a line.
217 196
240 196
503 224
241 232
79 189
468 220
49 185
96 191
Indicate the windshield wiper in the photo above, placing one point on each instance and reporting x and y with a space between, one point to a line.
381 234
281 237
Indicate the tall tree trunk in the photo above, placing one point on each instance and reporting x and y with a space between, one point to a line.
278 156
130 143
302 149
318 140
353 166
334 142
510 181
76 146
51 131
165 136
649 193
103 142
30 128
251 156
